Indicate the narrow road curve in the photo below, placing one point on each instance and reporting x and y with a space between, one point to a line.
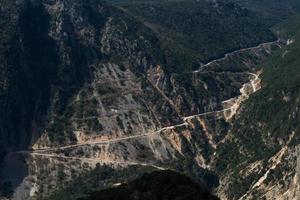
234 52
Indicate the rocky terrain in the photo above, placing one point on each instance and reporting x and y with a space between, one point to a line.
267 164
88 89
197 137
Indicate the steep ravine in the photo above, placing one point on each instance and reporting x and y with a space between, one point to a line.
91 84
165 144
261 156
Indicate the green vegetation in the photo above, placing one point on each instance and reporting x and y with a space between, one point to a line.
269 117
288 28
41 75
193 32
46 73
271 11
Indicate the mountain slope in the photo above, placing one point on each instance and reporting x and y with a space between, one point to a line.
261 158
86 83
58 60
194 32
271 11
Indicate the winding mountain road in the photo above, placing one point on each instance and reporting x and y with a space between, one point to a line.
185 123
39 152
234 52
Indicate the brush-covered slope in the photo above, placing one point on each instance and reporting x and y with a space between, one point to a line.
69 67
54 54
271 11
261 156
194 32
94 75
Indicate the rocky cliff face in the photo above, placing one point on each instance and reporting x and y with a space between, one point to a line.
83 70
84 82
71 54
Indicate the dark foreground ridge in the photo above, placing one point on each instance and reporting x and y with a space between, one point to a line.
159 185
